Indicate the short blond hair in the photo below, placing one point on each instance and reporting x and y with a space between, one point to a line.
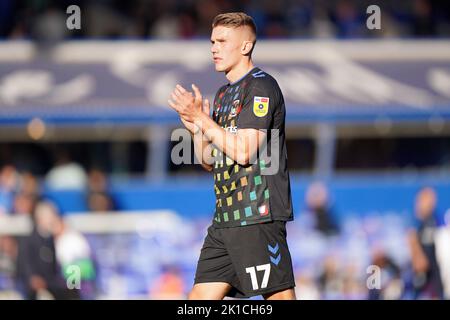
235 20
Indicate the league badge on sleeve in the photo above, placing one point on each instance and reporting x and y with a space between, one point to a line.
260 106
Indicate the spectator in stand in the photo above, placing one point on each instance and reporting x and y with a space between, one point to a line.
443 253
423 21
24 203
72 250
330 281
169 285
66 174
8 255
427 278
99 197
8 185
27 194
391 283
318 206
38 274
28 183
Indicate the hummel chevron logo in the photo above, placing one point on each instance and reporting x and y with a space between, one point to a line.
276 260
259 74
274 250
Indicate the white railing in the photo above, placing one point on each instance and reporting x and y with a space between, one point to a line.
140 222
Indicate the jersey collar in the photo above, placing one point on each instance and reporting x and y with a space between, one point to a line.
250 71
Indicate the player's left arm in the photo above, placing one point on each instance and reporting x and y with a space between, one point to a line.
241 146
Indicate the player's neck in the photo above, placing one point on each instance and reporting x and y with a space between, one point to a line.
239 71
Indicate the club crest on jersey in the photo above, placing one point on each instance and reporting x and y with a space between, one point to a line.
260 106
234 109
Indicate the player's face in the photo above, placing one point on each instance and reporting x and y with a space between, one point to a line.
226 44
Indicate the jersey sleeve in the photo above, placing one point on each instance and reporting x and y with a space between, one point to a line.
260 102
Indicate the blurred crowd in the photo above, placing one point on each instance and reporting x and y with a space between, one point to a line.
187 19
379 258
40 264
20 189
374 258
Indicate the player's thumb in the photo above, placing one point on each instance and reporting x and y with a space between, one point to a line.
206 108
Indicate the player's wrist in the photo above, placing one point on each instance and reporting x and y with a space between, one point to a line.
199 123
195 129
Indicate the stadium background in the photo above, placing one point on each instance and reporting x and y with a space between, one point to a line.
367 127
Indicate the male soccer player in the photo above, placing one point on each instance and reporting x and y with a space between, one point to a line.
245 252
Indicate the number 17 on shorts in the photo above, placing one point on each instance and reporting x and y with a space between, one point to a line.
254 278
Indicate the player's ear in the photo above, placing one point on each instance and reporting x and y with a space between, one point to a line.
247 47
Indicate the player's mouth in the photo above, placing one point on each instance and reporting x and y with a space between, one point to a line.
216 59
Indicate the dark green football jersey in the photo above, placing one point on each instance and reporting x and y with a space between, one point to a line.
254 193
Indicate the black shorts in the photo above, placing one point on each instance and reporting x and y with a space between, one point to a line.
253 259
